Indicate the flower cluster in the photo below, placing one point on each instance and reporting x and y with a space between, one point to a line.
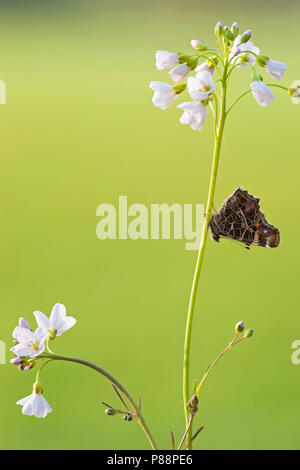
30 345
236 51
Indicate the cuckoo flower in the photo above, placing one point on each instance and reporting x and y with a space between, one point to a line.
261 93
58 322
35 404
245 53
201 87
29 343
164 94
166 60
180 72
194 114
273 67
294 92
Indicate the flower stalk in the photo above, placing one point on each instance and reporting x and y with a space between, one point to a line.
136 410
211 193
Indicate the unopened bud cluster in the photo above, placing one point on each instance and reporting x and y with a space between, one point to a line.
239 328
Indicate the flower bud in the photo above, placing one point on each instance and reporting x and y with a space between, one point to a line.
228 35
16 361
249 333
198 45
219 29
127 418
235 29
239 327
246 36
110 412
192 404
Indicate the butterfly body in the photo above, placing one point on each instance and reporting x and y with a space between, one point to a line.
241 219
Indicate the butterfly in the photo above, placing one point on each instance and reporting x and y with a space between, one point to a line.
241 219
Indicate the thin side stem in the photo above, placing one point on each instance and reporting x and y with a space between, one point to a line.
237 100
137 412
213 364
212 187
186 431
278 86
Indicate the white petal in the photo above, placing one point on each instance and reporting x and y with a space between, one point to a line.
23 323
24 400
58 317
40 406
67 324
195 43
163 100
188 106
22 334
21 350
58 314
195 88
275 69
42 320
27 404
194 114
180 72
165 59
204 68
262 93
160 86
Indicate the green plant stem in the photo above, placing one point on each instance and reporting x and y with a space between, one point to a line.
199 388
211 193
237 100
137 412
277 86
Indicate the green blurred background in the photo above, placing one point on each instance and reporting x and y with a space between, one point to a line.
79 129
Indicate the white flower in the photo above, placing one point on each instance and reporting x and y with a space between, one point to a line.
58 322
195 43
237 49
262 93
30 343
164 94
194 114
295 92
204 68
198 45
275 69
180 72
201 87
36 405
165 59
